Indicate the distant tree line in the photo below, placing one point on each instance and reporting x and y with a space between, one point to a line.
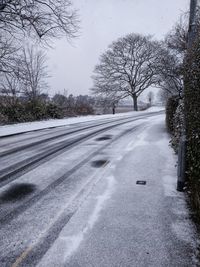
21 108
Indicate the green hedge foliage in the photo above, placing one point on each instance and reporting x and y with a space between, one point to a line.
171 107
192 113
29 111
20 109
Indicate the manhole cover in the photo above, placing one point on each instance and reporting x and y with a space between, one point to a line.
141 182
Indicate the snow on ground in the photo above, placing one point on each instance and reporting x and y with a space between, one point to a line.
155 108
121 223
39 125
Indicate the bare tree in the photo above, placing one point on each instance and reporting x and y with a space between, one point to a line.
170 72
170 64
176 39
126 69
32 72
172 61
39 18
9 89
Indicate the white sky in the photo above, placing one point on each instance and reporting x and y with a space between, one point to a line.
103 21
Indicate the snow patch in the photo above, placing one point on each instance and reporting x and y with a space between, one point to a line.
68 242
183 231
140 141
73 242
119 158
169 186
155 108
101 200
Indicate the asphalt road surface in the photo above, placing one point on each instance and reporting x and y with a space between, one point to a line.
45 177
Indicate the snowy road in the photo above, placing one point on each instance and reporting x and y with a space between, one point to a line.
69 197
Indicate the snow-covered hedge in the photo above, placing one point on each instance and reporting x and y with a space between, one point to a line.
178 121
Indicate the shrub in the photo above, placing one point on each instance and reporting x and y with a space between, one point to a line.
53 111
36 110
14 113
178 122
3 119
171 107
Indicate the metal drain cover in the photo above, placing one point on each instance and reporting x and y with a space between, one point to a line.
141 182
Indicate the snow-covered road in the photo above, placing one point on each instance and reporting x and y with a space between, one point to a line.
80 205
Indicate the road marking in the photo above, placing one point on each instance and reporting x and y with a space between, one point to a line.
21 257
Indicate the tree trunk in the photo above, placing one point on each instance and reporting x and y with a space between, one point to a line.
135 105
113 109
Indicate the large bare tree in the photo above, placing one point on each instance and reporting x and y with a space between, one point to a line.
127 68
38 18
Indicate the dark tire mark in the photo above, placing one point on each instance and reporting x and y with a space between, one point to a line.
104 138
99 163
17 192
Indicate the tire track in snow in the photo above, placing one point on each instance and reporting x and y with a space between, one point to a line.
6 218
11 173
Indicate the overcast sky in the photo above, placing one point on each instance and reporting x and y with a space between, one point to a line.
103 21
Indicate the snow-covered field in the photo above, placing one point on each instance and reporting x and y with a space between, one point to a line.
39 125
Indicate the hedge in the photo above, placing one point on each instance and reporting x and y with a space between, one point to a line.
29 111
192 115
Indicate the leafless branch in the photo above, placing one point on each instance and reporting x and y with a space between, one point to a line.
44 19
